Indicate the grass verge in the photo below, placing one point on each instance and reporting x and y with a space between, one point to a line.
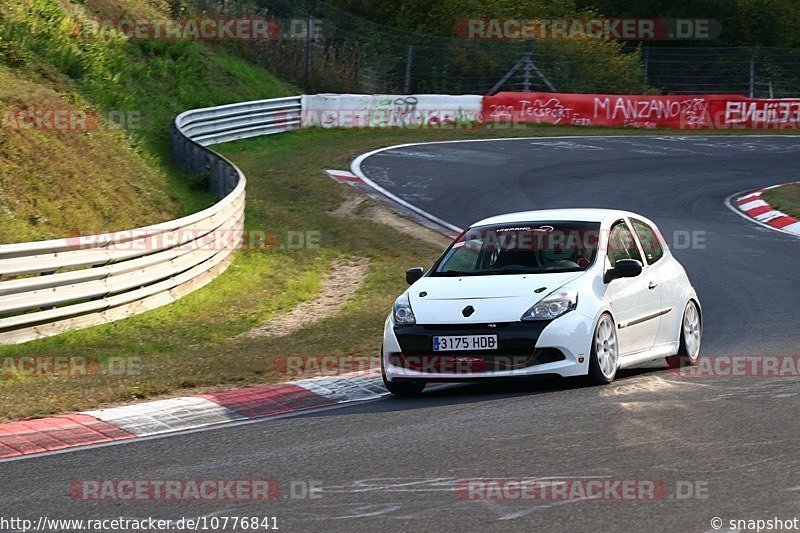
785 198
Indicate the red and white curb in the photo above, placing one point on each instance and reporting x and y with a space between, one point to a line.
344 176
159 417
754 206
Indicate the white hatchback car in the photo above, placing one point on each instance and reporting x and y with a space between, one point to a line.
564 292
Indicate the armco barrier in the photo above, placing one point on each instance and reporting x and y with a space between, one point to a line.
52 286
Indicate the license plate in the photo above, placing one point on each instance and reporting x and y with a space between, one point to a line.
452 343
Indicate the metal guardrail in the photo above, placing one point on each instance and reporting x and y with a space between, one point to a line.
49 287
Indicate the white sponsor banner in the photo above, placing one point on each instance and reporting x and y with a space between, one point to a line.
390 110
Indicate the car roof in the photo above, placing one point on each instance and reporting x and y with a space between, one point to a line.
576 215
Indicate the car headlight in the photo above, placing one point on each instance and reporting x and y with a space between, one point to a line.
552 306
402 313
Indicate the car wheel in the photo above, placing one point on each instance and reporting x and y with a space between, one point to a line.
604 359
402 388
691 335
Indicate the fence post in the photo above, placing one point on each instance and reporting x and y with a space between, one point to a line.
753 72
526 68
409 59
309 22
527 64
645 81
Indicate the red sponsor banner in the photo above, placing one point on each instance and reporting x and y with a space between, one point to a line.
642 111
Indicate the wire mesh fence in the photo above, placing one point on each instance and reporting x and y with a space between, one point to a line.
755 72
324 49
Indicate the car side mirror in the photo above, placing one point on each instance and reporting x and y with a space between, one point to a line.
413 274
624 268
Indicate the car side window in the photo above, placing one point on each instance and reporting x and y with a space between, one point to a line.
649 240
621 244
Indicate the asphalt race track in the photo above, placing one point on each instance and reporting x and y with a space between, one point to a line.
724 447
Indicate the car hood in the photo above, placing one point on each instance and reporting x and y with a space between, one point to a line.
501 298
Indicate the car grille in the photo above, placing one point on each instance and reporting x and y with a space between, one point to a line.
466 364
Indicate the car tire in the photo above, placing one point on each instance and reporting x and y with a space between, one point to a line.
691 335
402 388
604 356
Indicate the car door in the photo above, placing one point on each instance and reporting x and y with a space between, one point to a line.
633 301
661 278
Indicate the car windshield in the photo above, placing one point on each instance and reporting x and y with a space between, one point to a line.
521 248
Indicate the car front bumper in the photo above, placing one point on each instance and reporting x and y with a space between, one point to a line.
558 347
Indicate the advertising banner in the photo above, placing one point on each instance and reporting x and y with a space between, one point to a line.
390 111
642 111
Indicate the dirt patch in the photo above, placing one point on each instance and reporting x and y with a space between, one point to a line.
351 203
376 212
343 280
384 215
